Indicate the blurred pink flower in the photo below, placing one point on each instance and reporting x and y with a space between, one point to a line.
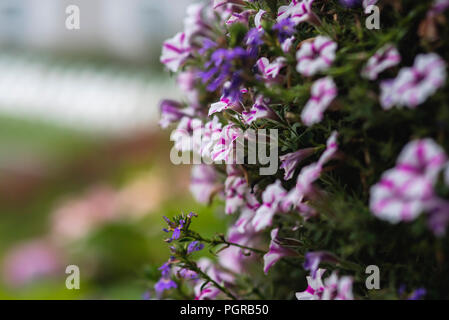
315 56
323 92
31 261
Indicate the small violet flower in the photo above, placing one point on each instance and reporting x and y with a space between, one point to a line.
315 56
194 246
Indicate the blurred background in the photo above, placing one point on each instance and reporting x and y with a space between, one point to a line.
85 175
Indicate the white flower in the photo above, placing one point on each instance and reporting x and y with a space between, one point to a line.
386 57
175 51
414 85
187 136
298 11
315 56
272 197
315 287
270 70
323 93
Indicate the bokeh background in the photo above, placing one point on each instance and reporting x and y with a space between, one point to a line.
85 175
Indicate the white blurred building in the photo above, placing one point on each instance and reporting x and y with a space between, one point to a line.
126 28
111 98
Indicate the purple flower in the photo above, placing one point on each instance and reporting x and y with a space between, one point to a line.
276 252
194 246
312 260
350 3
254 40
164 284
165 269
418 294
290 161
171 111
174 228
284 29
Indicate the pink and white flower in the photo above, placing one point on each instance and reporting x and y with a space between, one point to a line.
276 252
225 147
338 288
290 161
287 44
386 57
414 85
211 135
315 287
272 198
203 182
315 56
258 18
309 174
226 103
187 136
235 191
259 110
175 51
323 92
299 11
271 70
406 190
367 3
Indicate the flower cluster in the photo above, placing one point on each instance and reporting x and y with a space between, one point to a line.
280 65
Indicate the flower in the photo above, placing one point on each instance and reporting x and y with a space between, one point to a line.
284 29
270 70
194 246
386 57
310 174
203 182
414 85
187 136
387 98
315 287
287 44
404 191
258 18
211 135
323 92
170 112
254 40
175 228
298 11
235 190
272 197
31 260
439 6
275 252
224 148
418 294
226 102
164 284
175 51
312 260
258 111
315 55
290 161
337 288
